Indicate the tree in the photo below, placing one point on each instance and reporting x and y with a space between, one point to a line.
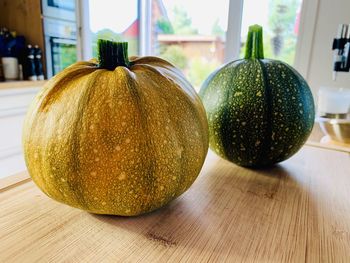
200 70
281 21
217 29
175 55
182 23
164 26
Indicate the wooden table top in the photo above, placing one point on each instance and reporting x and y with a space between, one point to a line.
298 211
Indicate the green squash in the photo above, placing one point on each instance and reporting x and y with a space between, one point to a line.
260 111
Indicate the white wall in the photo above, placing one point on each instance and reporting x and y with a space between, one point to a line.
329 14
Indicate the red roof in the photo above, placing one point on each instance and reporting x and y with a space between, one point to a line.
133 30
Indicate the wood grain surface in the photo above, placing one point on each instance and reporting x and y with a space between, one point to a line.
298 211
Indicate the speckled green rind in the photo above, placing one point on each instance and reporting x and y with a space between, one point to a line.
260 111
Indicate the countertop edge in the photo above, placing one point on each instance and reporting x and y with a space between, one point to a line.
21 84
14 180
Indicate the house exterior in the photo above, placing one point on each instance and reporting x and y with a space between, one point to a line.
210 48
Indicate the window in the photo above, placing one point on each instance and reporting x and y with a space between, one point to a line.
190 34
280 20
115 20
193 36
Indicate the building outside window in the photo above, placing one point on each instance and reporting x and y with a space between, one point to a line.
193 37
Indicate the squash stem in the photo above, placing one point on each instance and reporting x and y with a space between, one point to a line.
254 45
112 54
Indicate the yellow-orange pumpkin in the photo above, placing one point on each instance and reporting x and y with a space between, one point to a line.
120 137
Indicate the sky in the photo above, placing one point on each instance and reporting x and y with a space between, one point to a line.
117 15
254 12
203 14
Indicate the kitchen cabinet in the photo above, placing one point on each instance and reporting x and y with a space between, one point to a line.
14 102
24 17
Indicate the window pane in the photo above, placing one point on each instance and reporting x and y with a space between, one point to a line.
191 35
115 20
280 20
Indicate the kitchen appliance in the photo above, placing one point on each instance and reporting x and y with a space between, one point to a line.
334 103
334 114
337 130
59 9
60 44
341 47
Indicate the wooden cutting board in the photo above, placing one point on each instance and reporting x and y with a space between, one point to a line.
298 211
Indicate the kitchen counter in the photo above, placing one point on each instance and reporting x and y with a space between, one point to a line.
297 211
21 84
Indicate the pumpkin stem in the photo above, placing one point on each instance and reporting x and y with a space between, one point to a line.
112 54
254 45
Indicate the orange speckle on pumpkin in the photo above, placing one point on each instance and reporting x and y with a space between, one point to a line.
121 176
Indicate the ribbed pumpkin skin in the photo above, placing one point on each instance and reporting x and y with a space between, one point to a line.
121 142
260 111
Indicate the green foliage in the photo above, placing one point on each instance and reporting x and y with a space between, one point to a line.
182 23
68 57
282 16
164 26
175 55
217 29
281 22
199 70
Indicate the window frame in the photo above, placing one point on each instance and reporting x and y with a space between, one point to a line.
304 44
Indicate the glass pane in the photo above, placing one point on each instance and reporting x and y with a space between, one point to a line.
62 4
63 55
280 20
191 35
115 20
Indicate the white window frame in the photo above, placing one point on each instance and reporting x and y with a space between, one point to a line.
305 41
145 11
233 35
